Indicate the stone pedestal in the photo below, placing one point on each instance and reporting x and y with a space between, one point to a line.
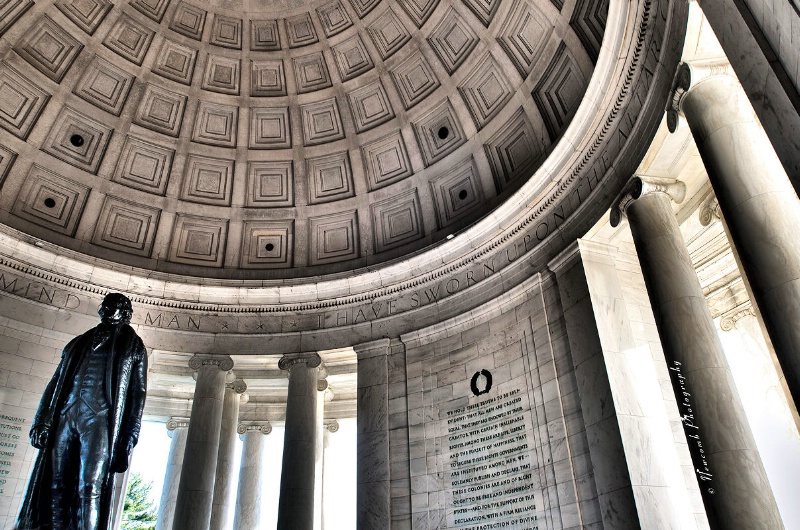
757 201
296 504
733 483
224 486
178 428
248 499
196 489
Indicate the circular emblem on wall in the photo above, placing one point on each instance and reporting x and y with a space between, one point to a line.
484 377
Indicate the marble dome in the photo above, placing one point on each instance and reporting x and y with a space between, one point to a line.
287 139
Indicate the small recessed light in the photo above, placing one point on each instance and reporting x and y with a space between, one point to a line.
76 140
450 236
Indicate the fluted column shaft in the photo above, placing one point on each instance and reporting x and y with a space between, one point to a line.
248 497
178 429
223 479
759 204
732 479
196 490
296 504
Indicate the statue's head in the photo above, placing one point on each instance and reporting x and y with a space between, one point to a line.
115 309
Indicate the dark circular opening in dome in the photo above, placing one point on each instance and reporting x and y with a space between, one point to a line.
76 140
270 247
443 133
50 202
462 194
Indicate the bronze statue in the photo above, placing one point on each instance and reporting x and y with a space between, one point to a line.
87 424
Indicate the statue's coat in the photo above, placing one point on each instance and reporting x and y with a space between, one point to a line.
126 382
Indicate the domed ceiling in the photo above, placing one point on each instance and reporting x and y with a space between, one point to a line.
278 139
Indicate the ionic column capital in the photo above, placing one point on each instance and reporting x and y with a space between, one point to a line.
264 427
237 385
709 211
223 362
640 186
687 76
322 385
331 425
729 319
312 360
176 423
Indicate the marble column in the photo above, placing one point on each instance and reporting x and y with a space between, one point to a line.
373 473
248 498
177 429
759 204
323 391
196 488
329 427
296 504
733 483
605 422
120 491
222 508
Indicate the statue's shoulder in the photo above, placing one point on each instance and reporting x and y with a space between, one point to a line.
130 335
82 338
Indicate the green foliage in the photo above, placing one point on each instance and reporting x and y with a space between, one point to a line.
139 512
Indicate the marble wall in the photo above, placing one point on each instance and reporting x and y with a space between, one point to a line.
29 354
520 340
665 488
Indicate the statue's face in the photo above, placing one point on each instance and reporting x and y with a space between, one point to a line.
115 309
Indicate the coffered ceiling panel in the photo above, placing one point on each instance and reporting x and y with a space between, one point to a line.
231 139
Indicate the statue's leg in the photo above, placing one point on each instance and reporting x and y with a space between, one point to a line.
65 456
95 454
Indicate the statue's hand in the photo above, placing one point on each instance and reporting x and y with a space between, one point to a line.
40 436
123 454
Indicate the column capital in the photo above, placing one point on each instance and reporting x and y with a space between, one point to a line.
176 423
729 319
264 427
322 385
686 77
223 362
237 385
331 425
312 360
639 186
709 211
